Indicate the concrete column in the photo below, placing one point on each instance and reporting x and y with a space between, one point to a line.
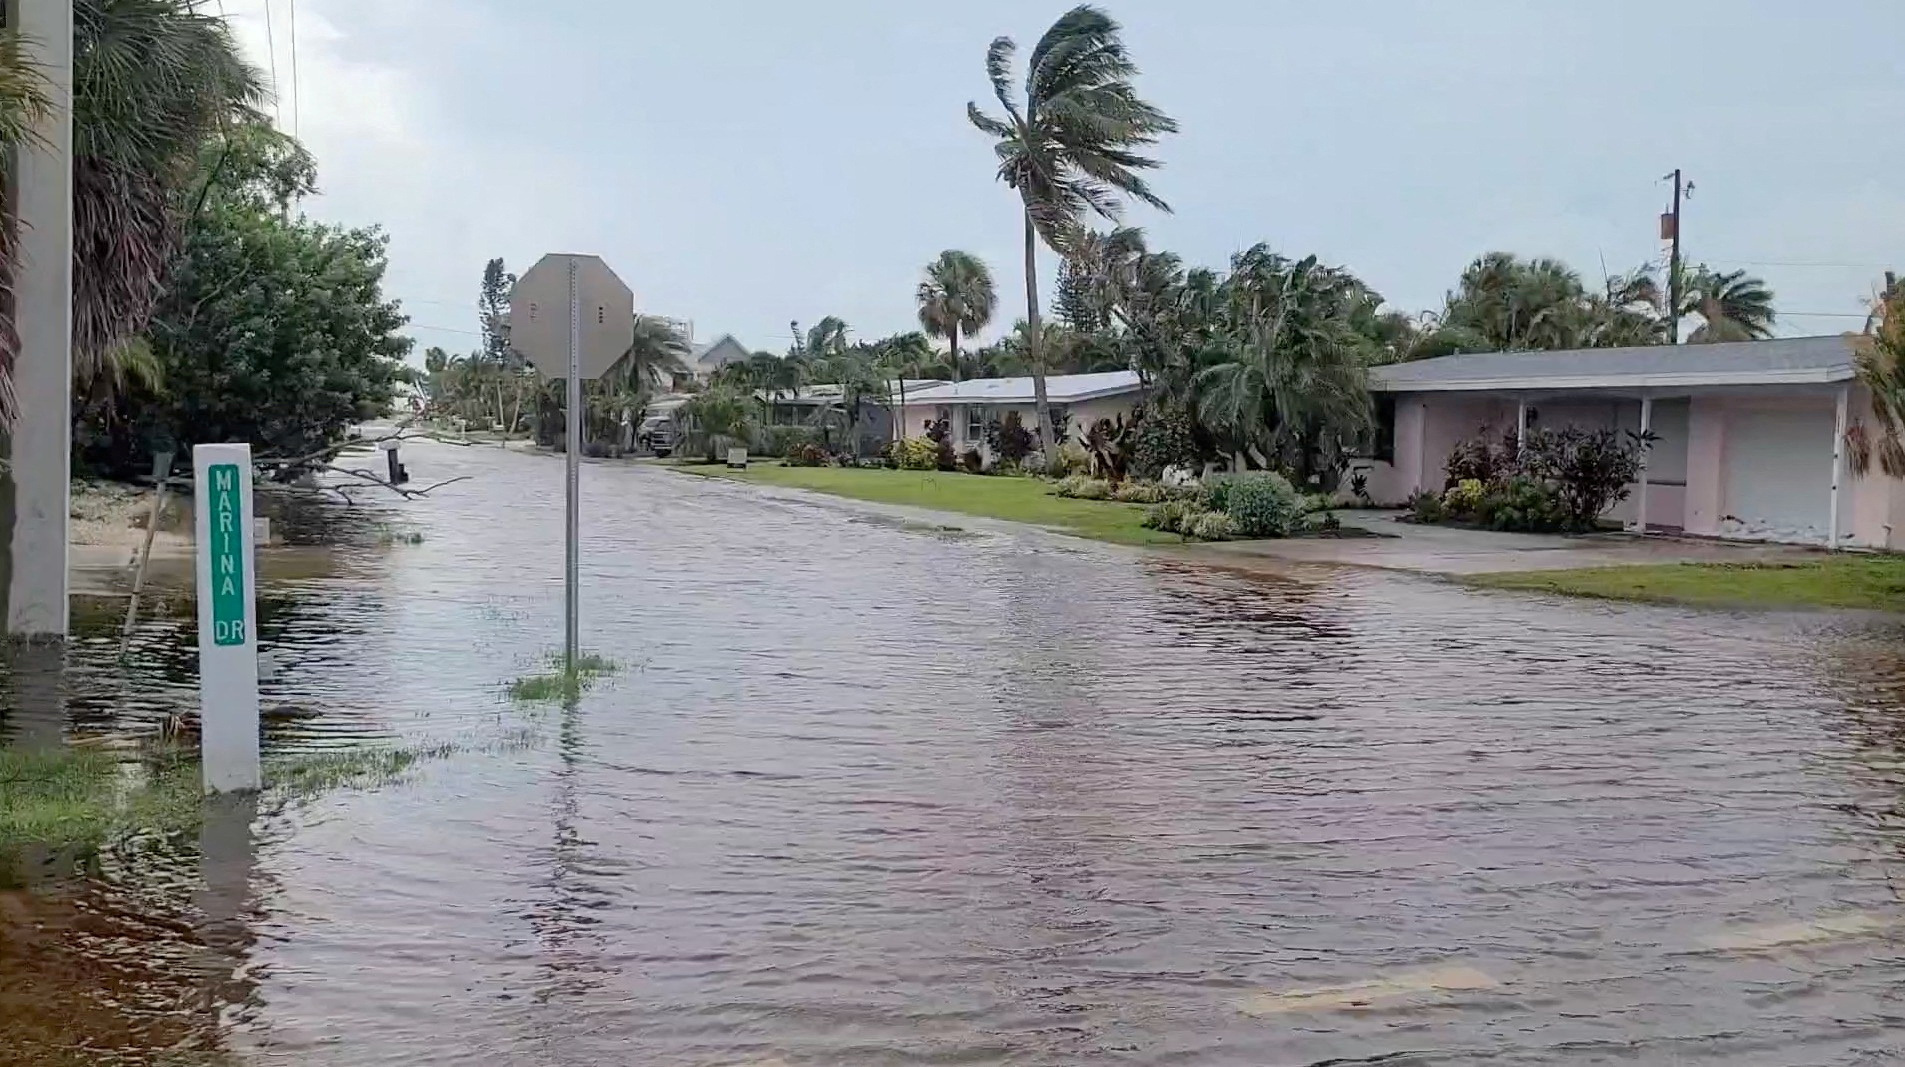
1838 463
1646 424
41 442
1521 425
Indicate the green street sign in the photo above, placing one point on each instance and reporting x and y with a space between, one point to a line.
227 554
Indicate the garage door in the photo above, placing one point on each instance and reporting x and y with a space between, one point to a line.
1778 474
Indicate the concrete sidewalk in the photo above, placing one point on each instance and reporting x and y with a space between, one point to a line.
1450 550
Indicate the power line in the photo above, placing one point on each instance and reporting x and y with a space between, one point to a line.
1799 263
297 101
271 46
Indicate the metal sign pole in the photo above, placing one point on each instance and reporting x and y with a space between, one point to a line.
585 346
573 424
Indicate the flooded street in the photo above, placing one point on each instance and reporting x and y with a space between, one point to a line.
871 792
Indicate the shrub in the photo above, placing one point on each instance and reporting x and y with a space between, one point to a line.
1524 505
1165 438
1215 491
1589 470
1464 497
806 454
1428 507
1261 504
1359 488
781 440
1010 440
1167 516
1072 459
1476 459
1210 526
1140 493
915 454
972 462
1080 487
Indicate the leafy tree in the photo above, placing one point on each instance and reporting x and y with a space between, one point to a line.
500 367
956 298
274 329
1071 141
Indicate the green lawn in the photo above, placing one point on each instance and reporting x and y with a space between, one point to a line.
1017 499
1873 583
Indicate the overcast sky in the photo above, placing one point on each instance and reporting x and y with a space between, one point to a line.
742 163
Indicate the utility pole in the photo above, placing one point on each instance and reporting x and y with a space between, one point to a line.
34 491
1670 231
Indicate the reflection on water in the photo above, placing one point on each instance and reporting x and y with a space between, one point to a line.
868 793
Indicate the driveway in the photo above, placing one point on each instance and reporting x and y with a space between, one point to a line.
1408 546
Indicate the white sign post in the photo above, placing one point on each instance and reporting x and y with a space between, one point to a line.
572 318
227 618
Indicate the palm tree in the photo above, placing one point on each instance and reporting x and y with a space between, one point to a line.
1732 306
956 297
657 353
1516 305
1880 358
1071 141
153 80
24 101
1291 382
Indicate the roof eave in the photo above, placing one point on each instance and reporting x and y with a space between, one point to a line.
1808 376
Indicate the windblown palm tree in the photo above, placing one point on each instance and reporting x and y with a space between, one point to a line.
956 298
1070 142
657 353
1732 306
1516 305
1291 384
152 81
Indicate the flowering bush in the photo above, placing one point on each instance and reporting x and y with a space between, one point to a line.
915 454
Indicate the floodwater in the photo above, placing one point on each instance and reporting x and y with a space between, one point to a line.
869 792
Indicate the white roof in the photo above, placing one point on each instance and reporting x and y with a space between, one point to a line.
1783 361
1059 389
827 394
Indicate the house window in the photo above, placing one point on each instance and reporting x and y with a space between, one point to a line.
1385 444
975 422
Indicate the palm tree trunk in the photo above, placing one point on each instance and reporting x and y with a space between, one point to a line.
1035 345
955 352
899 424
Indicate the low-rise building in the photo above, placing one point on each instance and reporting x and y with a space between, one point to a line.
1750 437
1076 401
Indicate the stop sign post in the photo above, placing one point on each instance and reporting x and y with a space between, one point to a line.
571 318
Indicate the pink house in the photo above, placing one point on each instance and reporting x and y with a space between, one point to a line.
1751 435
